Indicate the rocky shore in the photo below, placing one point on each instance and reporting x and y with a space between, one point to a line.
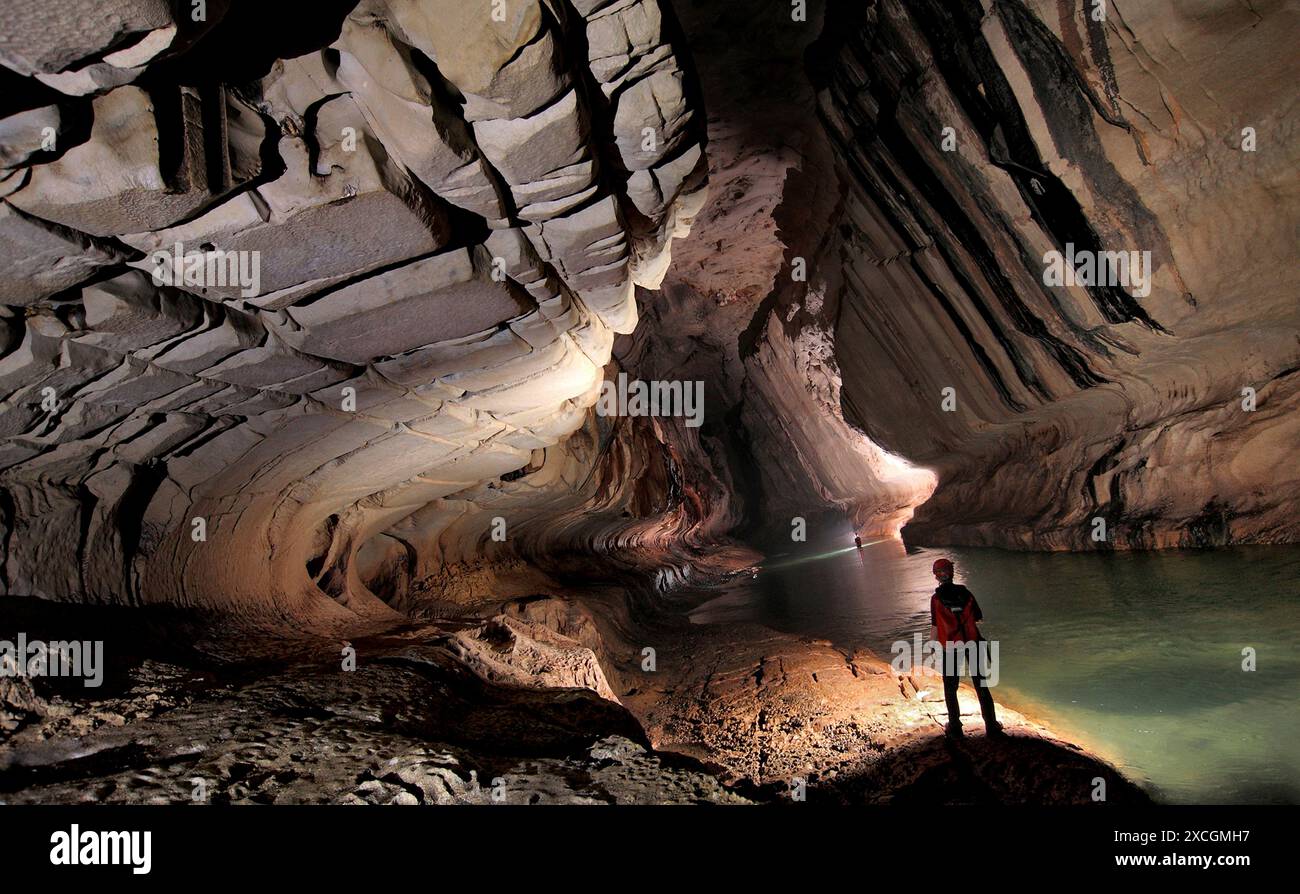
514 708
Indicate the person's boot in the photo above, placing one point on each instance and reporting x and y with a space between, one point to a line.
994 730
953 731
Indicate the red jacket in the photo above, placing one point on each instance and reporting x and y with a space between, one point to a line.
954 611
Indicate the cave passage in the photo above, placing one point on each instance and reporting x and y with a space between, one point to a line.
433 402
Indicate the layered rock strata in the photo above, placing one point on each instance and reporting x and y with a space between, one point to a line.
969 142
887 268
264 306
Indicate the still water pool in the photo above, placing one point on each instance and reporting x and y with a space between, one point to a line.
1136 655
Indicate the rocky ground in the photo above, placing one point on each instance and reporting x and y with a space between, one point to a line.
508 710
784 711
410 725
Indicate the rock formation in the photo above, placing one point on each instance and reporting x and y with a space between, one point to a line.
961 144
258 318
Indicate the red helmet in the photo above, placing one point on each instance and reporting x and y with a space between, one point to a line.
941 565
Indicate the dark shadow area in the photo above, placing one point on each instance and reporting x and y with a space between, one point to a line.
1011 771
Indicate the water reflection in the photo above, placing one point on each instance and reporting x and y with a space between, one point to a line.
1137 653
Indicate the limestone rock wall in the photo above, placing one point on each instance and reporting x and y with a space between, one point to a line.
860 264
1124 134
437 224
442 216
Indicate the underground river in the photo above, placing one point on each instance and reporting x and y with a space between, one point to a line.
1138 655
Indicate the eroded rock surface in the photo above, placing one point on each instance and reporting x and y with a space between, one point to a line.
957 145
416 241
409 726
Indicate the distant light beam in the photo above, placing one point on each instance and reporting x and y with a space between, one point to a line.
818 556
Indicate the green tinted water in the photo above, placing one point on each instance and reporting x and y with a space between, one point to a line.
1137 655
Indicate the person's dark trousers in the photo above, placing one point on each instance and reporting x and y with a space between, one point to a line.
952 679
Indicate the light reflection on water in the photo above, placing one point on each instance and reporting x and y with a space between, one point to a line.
1136 654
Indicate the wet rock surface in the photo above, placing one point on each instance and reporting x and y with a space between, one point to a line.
790 714
509 710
